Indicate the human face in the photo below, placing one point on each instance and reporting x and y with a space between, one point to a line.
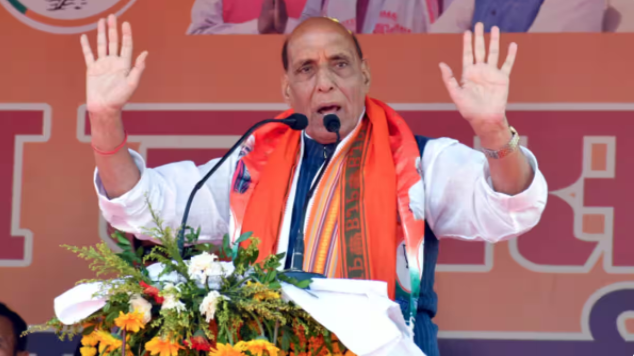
8 340
325 76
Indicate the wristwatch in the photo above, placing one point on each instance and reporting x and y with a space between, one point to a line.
507 149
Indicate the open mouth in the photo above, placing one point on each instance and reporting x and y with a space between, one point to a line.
328 109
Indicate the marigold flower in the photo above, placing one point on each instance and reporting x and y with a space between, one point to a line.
130 321
90 339
107 342
161 347
226 350
257 347
88 351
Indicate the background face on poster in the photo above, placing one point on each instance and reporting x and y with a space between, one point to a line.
413 16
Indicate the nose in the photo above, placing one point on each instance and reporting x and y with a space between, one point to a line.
325 80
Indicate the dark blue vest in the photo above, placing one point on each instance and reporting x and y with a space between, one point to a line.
425 330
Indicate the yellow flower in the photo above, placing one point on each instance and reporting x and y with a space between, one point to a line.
260 296
88 351
158 346
107 342
130 321
257 347
269 294
90 339
226 350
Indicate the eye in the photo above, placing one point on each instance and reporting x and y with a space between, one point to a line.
304 69
341 64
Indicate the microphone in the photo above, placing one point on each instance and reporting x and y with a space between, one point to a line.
332 124
295 121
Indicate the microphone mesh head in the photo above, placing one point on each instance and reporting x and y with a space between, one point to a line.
297 121
332 123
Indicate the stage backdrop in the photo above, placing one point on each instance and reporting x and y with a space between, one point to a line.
565 288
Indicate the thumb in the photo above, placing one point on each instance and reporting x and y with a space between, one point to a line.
450 81
139 66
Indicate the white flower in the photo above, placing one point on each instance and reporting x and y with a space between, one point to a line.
171 302
156 269
139 304
202 266
208 305
224 269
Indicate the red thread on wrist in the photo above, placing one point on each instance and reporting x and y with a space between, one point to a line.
108 153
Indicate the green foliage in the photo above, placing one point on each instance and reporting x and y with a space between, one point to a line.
105 261
250 306
64 332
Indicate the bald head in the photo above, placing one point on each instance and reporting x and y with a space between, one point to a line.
319 24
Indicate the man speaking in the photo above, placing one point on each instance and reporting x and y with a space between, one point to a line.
368 206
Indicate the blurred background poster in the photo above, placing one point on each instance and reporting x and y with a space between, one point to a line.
413 16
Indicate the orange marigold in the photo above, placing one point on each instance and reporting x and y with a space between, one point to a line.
161 347
226 350
130 321
90 340
258 347
107 342
88 351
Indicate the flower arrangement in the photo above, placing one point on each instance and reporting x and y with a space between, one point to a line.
210 300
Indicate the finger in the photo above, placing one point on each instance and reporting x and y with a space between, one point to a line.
510 59
450 81
139 66
126 43
113 36
467 51
89 58
102 51
480 50
494 47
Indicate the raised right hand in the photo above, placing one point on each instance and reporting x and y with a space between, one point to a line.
110 80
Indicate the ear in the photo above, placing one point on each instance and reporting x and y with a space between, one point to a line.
286 89
367 76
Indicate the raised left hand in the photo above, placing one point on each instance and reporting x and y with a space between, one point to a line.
482 95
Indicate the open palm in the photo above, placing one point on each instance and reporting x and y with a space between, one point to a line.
110 79
482 95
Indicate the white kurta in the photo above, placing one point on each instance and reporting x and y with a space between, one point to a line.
459 200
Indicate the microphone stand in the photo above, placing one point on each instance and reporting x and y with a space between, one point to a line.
296 270
294 121
332 124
